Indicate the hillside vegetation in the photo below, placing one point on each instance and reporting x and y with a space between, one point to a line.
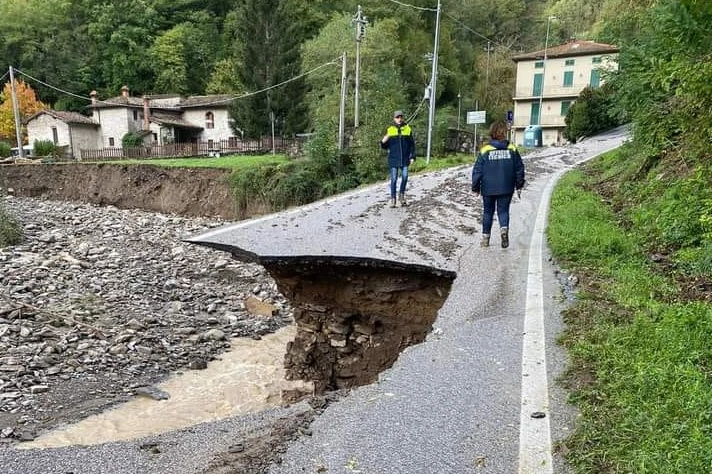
635 226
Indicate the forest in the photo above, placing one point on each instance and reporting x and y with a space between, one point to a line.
283 56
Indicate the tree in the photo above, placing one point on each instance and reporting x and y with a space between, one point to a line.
591 113
664 85
269 34
184 56
124 31
27 103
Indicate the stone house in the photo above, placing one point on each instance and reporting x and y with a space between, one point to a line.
70 130
550 80
161 120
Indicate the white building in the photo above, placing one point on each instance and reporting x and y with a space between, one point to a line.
70 130
159 119
550 80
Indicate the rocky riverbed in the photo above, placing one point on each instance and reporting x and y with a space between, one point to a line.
98 304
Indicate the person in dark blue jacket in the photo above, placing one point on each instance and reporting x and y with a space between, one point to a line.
400 144
497 172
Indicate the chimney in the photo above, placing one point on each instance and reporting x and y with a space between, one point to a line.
125 92
93 95
146 114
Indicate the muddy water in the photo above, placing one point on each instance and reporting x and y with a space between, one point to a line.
247 379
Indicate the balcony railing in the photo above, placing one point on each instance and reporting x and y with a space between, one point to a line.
523 93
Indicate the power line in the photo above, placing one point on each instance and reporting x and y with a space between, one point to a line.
222 101
304 74
476 33
413 6
51 86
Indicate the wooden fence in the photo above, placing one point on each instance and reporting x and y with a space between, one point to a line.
291 146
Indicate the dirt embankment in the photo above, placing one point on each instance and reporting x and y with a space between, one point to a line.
185 191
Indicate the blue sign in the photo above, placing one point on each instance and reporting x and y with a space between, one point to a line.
510 115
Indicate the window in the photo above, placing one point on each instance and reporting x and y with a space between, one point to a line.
534 114
538 81
55 137
111 141
539 64
209 120
595 78
565 105
596 60
568 79
135 113
569 62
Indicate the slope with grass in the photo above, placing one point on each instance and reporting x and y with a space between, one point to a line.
639 240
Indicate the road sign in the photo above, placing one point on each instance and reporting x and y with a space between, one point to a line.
510 115
477 116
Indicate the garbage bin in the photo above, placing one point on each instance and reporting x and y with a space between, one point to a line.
532 136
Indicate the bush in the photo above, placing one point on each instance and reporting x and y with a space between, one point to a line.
592 113
44 148
5 149
131 140
10 231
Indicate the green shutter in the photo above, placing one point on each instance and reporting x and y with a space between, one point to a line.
534 118
538 81
565 104
595 78
568 78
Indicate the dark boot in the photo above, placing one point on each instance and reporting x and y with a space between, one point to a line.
505 237
403 202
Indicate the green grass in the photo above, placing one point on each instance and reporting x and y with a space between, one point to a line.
249 161
641 358
231 161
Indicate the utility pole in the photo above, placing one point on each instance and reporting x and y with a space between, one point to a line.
487 75
459 107
342 102
361 22
543 70
433 82
16 110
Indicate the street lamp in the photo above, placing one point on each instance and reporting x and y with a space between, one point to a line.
459 105
543 70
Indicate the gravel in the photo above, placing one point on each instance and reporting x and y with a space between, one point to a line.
97 304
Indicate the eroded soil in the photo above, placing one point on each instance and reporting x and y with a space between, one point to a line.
185 191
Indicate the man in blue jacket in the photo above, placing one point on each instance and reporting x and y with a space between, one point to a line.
497 172
400 144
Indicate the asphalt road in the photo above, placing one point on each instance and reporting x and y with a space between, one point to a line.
479 395
460 402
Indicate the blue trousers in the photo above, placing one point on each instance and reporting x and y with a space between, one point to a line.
500 203
394 179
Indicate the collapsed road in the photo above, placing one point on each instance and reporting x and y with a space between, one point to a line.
474 396
447 350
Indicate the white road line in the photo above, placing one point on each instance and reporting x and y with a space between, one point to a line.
535 430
